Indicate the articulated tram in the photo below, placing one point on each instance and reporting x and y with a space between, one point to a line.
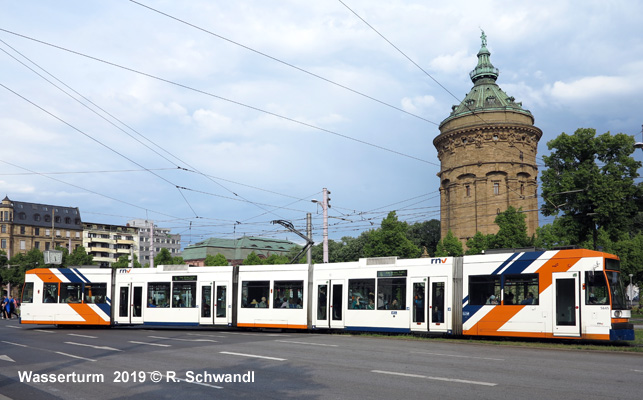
571 294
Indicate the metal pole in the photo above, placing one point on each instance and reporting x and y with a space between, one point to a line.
152 244
325 208
631 291
309 233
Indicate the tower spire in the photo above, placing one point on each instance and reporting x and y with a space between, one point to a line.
484 69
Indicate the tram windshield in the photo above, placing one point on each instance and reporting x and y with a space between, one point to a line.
617 289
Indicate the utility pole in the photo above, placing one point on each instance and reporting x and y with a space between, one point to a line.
325 206
309 233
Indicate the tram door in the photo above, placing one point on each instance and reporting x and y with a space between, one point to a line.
418 313
437 304
321 305
206 315
566 304
130 303
221 312
337 304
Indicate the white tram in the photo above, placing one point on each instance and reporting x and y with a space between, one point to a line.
574 294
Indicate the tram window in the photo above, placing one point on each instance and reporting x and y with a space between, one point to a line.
484 289
288 294
158 294
221 301
596 292
437 302
418 301
322 299
184 294
71 292
521 289
391 293
50 293
617 289
361 294
27 293
95 293
255 294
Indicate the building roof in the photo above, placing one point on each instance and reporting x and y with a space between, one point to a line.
236 248
40 215
485 95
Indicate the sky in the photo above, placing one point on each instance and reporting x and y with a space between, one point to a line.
215 118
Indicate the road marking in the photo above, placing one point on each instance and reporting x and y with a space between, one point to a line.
454 355
307 343
436 378
183 340
73 356
635 370
252 355
201 334
85 336
92 346
6 358
151 344
13 327
42 330
15 344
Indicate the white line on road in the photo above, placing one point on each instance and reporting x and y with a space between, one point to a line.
42 330
13 327
73 356
635 370
306 343
15 344
85 336
151 344
6 358
453 355
183 340
202 334
93 346
436 378
253 356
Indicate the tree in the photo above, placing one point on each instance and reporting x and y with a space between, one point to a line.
425 234
165 258
123 262
478 243
252 259
275 259
450 246
391 240
590 179
352 249
19 264
80 257
217 261
512 232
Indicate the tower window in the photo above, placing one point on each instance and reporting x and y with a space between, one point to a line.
467 190
496 188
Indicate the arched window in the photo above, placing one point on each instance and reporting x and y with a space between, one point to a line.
36 217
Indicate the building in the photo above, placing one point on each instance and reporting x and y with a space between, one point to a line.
487 150
108 242
25 226
235 250
162 238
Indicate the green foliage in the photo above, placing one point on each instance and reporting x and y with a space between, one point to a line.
21 263
217 261
79 257
391 240
165 258
123 262
425 234
590 180
477 244
512 232
252 259
450 246
275 259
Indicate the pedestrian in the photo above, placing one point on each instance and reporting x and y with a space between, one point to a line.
2 306
7 308
13 305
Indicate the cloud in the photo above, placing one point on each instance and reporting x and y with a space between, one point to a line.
418 103
592 88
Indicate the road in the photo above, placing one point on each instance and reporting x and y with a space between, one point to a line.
189 364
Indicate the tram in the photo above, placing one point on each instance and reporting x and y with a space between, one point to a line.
567 294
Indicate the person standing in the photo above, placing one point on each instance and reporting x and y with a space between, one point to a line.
13 306
2 307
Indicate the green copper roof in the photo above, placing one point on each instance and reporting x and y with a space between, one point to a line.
485 95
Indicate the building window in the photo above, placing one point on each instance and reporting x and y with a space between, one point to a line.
22 230
522 189
67 220
3 244
4 228
467 190
23 245
57 219
47 232
22 216
36 245
496 188
57 232
36 231
36 217
47 218
77 235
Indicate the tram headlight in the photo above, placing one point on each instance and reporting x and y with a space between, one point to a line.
617 314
